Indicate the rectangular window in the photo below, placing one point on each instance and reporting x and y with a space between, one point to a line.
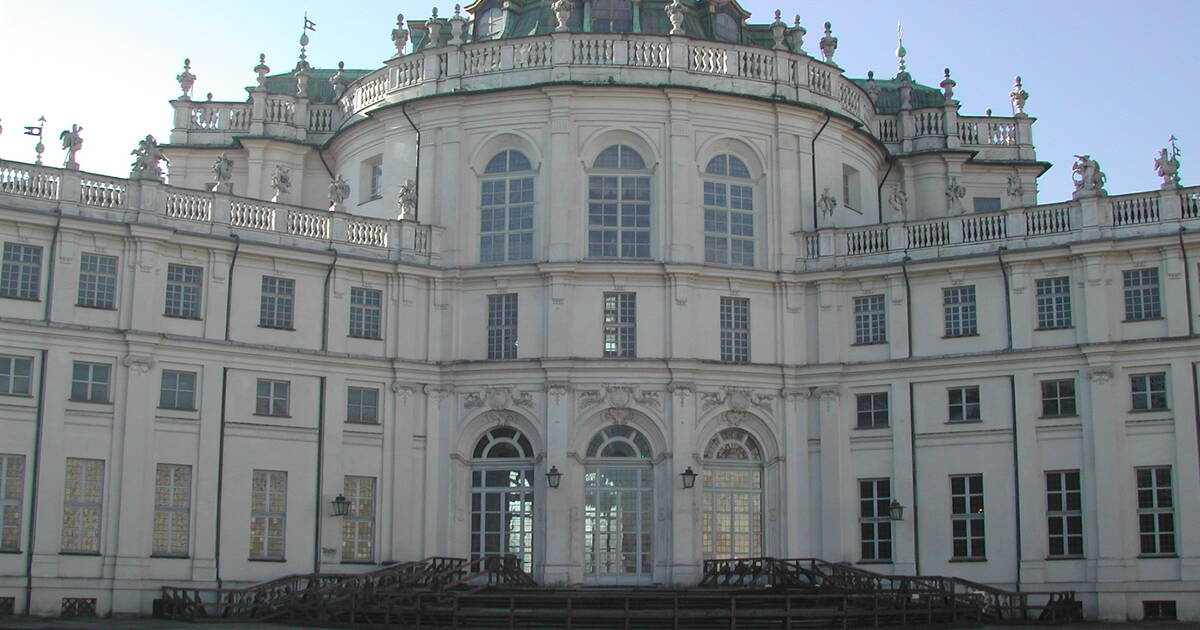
502 326
366 312
1058 398
1064 513
986 204
268 514
21 271
870 321
1148 391
959 303
82 494
1142 299
12 496
178 390
15 375
90 381
1156 511
963 404
362 405
1159 610
735 329
97 281
172 509
874 519
966 517
872 410
1054 303
183 291
377 180
278 299
620 325
272 397
358 526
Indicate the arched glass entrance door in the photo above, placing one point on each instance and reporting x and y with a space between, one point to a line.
618 508
502 496
733 496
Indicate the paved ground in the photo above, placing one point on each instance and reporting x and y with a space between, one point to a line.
19 623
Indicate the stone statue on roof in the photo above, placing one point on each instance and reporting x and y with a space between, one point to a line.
400 35
1019 96
339 191
828 43
186 80
954 195
1167 165
562 15
72 142
406 201
1089 179
281 182
339 81
827 203
147 156
222 170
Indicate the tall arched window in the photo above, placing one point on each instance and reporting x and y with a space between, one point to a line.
612 16
733 496
506 208
502 496
728 212
489 24
618 507
619 205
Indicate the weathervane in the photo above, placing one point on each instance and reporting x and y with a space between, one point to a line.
37 133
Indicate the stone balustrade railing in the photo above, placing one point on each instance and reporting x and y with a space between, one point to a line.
149 202
1142 214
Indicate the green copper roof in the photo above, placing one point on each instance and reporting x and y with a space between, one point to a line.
889 95
320 90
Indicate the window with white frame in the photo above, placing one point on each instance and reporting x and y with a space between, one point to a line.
735 329
1058 397
1148 392
83 493
272 397
172 509
732 516
16 376
612 16
870 320
178 390
959 305
1054 303
376 186
728 212
90 382
618 204
966 517
851 187
502 496
489 24
268 514
278 303
21 271
875 519
183 291
366 312
620 325
358 525
97 281
12 496
1156 511
1142 298
1064 513
362 405
963 404
506 208
502 326
872 410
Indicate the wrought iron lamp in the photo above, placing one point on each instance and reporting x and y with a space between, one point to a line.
341 505
896 511
553 477
689 478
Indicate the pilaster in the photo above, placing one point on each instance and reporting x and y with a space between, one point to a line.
561 516
132 515
797 481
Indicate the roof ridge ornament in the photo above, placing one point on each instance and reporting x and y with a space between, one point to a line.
400 35
1018 96
338 81
186 80
778 30
434 26
901 52
947 85
798 32
675 13
262 70
829 44
457 22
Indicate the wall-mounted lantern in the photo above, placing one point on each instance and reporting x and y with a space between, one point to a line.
896 511
689 478
553 477
340 505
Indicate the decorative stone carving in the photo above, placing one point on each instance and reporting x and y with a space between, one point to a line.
72 143
898 200
829 43
438 392
708 400
523 399
498 417
1167 166
498 398
281 182
146 160
763 402
400 35
735 418
1015 189
778 30
1018 95
403 390
562 15
222 170
797 33
793 395
648 398
827 203
186 80
620 397
680 390
406 201
1089 179
339 81
590 398
472 400
675 13
1100 375
339 191
140 363
947 85
737 399
556 390
617 416
434 26
457 22
954 195
262 70
872 88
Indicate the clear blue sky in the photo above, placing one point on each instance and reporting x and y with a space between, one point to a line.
1110 78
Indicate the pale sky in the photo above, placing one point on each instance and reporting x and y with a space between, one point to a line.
1112 79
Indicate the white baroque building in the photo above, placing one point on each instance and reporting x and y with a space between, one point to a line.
635 241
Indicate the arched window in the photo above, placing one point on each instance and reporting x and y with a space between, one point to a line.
489 24
612 16
502 496
619 205
728 212
733 496
726 28
506 208
618 507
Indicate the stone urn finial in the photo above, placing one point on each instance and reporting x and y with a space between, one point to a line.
798 32
186 79
400 35
1018 96
262 70
778 30
675 13
828 43
562 15
434 26
947 85
457 22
